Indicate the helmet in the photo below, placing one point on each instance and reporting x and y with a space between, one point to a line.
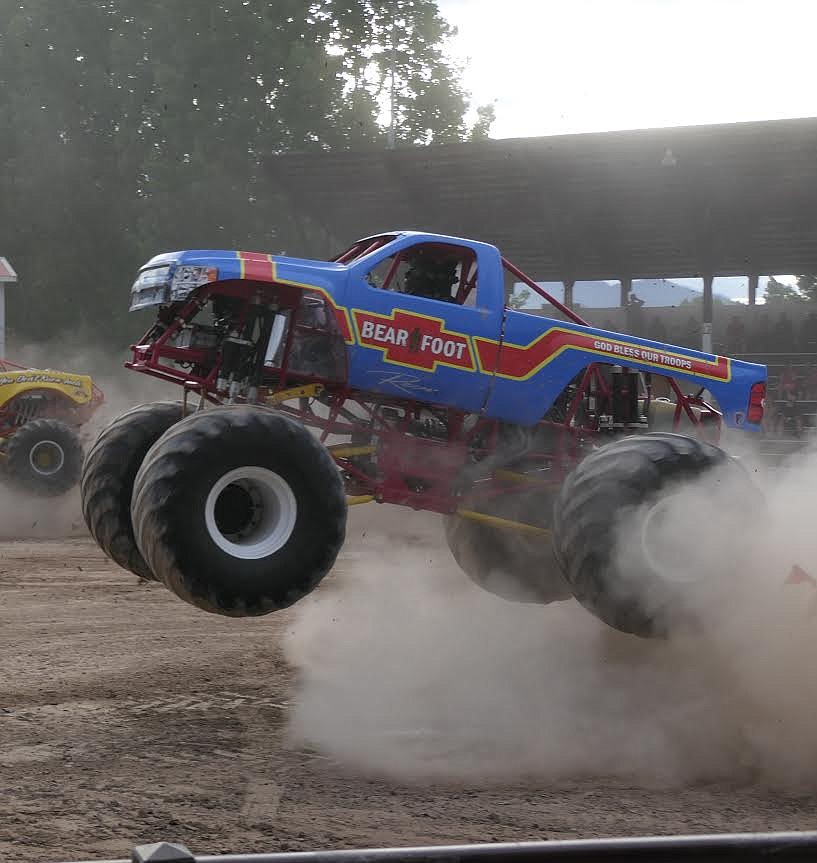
430 277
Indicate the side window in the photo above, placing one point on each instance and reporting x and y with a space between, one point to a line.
522 298
435 271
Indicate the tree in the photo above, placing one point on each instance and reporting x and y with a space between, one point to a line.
778 291
129 127
486 115
518 298
807 286
394 57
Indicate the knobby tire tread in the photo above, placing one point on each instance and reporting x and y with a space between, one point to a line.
17 463
168 503
108 476
606 485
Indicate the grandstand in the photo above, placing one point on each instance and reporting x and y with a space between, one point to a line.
691 202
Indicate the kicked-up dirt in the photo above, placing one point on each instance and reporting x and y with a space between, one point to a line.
127 716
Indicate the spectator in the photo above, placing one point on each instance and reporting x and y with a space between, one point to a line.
762 338
691 334
658 332
808 334
736 336
810 383
783 334
788 383
635 315
790 418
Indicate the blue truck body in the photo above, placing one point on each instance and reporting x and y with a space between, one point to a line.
481 357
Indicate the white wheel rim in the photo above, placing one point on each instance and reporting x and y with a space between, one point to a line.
46 458
266 525
671 560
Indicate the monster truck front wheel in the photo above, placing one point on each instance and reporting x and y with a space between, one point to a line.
44 457
516 566
645 531
108 475
239 511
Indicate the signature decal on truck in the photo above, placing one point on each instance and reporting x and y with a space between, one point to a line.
39 378
410 384
520 362
413 340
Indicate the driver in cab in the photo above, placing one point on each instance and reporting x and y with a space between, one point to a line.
430 277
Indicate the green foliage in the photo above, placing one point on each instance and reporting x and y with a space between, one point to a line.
778 291
518 298
807 286
486 115
393 52
129 127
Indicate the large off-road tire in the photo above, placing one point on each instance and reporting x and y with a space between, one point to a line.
108 475
239 510
645 528
44 457
516 566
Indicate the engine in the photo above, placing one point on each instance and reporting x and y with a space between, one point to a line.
237 346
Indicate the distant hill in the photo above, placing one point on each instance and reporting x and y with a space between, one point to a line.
605 295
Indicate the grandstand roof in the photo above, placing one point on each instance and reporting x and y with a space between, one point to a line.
731 199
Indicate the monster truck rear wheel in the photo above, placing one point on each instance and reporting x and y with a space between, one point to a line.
633 530
44 457
515 566
239 510
108 475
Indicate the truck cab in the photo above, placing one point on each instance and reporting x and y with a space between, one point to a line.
416 303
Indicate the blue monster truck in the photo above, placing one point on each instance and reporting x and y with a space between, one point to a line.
397 373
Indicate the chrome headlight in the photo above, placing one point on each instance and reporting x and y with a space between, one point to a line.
188 278
168 283
151 288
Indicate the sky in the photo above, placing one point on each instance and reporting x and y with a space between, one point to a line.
560 66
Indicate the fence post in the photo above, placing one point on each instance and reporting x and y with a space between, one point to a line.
161 852
7 276
706 328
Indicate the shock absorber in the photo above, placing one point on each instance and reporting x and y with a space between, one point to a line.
625 397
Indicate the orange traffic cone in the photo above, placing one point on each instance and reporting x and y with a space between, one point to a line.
798 575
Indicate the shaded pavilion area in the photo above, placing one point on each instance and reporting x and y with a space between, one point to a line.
699 201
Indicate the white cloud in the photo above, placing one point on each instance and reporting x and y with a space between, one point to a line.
556 66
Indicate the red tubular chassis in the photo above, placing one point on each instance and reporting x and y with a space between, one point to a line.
398 373
402 450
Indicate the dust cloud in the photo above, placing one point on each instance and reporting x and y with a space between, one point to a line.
408 671
26 516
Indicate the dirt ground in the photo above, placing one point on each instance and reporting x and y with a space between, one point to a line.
127 716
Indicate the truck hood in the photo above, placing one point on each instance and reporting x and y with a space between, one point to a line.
171 276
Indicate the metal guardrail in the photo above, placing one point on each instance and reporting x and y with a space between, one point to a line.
800 847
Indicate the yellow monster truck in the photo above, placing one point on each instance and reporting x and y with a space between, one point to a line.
41 413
